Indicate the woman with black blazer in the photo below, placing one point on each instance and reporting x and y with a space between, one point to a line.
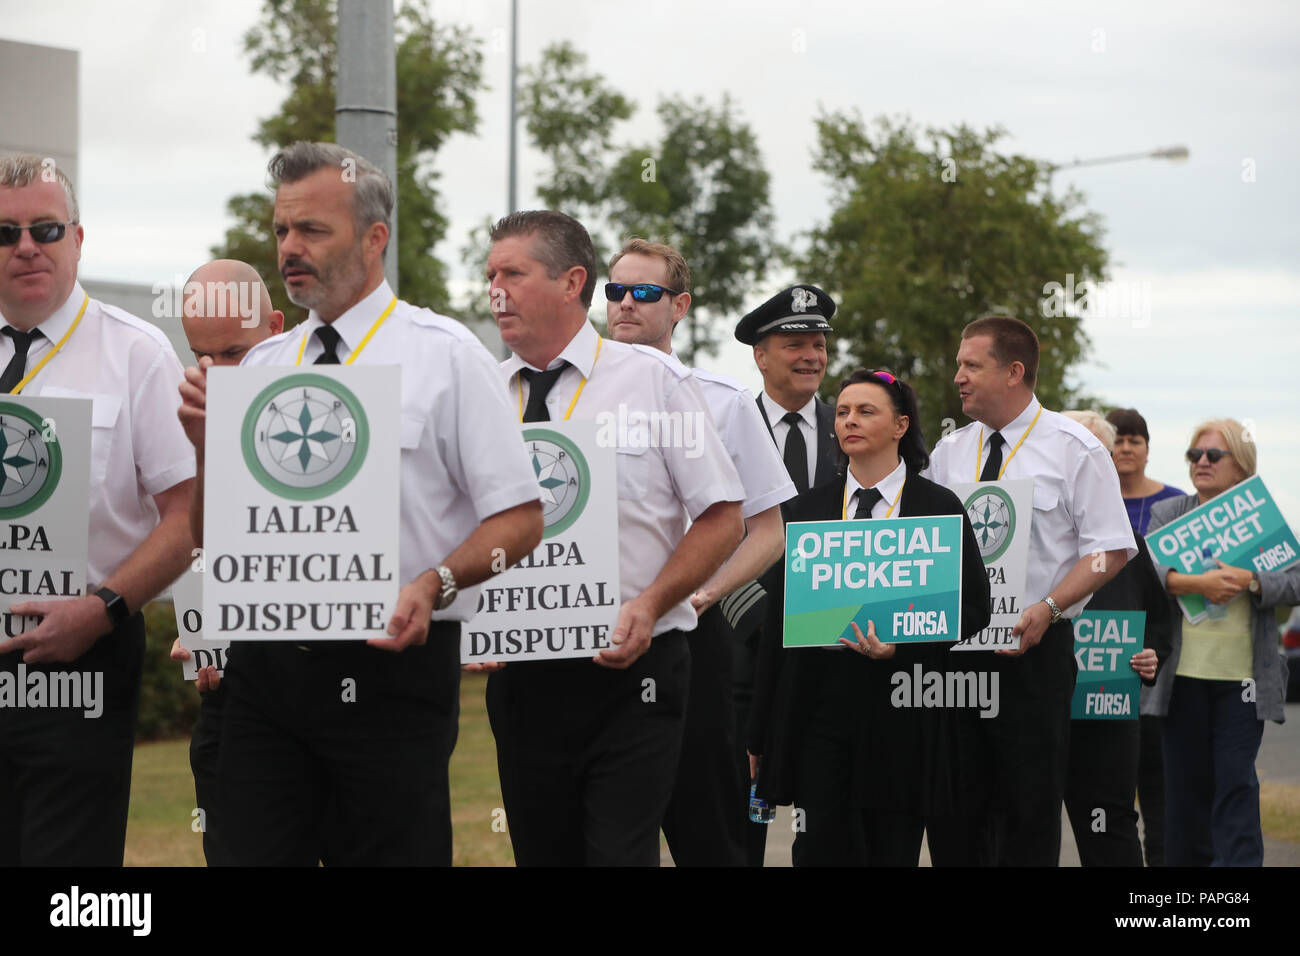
832 730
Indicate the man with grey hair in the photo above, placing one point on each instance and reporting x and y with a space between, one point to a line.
65 781
587 750
306 775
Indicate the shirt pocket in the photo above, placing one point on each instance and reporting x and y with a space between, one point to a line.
412 432
633 473
104 411
1047 497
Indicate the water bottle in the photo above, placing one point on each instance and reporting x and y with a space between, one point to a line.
1215 612
760 811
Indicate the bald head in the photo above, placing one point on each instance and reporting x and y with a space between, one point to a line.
227 311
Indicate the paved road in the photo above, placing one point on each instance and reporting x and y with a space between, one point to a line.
1278 762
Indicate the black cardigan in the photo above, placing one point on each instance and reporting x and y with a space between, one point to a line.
905 757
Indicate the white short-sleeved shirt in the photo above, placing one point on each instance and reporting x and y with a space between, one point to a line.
128 369
1078 509
747 440
660 489
807 426
459 465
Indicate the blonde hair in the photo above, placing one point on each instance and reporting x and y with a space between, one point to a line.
679 276
1234 436
1095 423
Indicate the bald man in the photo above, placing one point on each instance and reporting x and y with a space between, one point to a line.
227 310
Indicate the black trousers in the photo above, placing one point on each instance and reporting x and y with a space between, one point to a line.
829 830
1015 764
1099 791
587 755
338 753
704 815
65 777
205 748
753 836
1151 789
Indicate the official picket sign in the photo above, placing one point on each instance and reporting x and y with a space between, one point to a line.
563 599
187 600
301 510
44 503
1107 686
1241 527
1001 512
902 573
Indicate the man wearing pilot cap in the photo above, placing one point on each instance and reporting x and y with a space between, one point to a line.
788 334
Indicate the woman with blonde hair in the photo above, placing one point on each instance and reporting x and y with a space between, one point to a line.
1224 677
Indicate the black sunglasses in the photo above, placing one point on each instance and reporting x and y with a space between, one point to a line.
1212 454
42 232
641 292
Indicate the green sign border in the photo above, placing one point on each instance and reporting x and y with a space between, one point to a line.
56 463
1011 507
336 483
584 477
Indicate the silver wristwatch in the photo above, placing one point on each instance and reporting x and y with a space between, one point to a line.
449 589
1056 611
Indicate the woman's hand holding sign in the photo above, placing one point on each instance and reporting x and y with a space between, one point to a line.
869 645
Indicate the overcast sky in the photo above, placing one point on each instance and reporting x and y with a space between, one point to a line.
168 108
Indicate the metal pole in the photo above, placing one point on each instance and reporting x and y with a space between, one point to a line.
512 201
365 103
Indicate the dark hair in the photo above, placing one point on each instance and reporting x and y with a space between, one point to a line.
911 447
1013 341
562 243
1127 421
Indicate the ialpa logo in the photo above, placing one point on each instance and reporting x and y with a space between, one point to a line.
102 909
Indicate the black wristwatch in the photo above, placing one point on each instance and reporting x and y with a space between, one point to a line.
116 605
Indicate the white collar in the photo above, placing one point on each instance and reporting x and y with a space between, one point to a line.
889 487
580 352
776 412
353 324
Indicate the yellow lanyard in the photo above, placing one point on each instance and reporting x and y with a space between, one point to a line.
54 351
979 455
364 341
844 509
519 385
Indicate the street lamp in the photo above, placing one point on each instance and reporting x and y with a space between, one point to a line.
1175 154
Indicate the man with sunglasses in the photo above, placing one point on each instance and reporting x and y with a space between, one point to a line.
1080 539
65 780
647 295
588 748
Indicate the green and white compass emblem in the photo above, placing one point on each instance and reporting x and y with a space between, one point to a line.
305 437
31 461
563 478
993 516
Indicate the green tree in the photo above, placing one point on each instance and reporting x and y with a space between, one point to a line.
439 73
930 231
702 187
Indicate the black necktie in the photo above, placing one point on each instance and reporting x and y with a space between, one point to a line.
539 386
13 373
796 452
994 464
867 498
330 339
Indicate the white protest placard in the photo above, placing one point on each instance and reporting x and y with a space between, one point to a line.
301 509
44 503
187 599
563 599
1001 512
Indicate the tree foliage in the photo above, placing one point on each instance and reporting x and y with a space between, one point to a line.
930 231
702 187
439 73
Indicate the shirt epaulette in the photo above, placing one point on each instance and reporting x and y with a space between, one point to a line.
677 368
720 379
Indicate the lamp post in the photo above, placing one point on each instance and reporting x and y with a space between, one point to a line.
1175 154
